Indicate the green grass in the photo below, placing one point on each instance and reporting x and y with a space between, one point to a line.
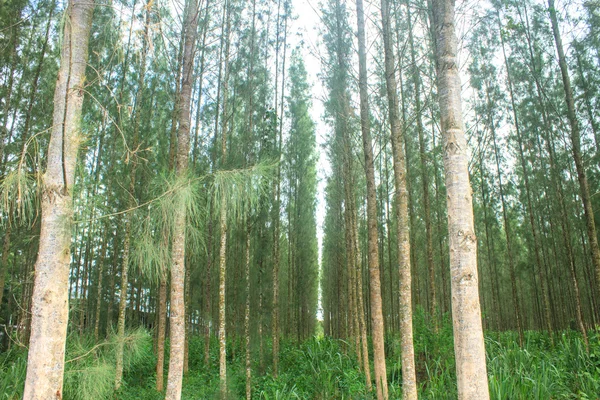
325 368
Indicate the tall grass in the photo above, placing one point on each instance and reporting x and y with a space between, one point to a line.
324 368
89 366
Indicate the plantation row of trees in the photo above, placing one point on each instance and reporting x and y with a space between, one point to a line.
530 120
180 170
159 169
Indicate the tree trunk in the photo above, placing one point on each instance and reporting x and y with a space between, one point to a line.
129 215
247 317
162 328
50 305
507 229
530 210
425 174
409 379
375 282
469 347
99 284
177 304
223 216
576 145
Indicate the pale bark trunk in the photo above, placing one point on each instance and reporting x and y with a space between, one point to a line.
375 283
469 346
223 216
45 363
177 308
247 319
409 379
222 304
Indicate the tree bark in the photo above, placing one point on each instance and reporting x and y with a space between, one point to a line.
469 347
375 282
177 304
409 379
223 216
50 304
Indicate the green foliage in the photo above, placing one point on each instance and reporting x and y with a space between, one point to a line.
89 366
19 197
325 368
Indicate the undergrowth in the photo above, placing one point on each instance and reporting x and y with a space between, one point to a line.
325 368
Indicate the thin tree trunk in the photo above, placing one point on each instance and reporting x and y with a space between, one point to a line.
276 212
99 284
177 304
129 214
507 229
425 174
360 300
409 379
247 317
576 145
223 216
540 267
375 281
469 347
162 328
50 303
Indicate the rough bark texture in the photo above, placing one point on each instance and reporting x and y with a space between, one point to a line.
247 319
409 379
373 256
160 341
223 218
222 305
469 347
177 304
50 305
576 144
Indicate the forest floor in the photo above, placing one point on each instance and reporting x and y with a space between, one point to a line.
325 368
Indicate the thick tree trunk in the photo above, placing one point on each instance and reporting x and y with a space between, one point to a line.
469 347
50 308
375 282
409 379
